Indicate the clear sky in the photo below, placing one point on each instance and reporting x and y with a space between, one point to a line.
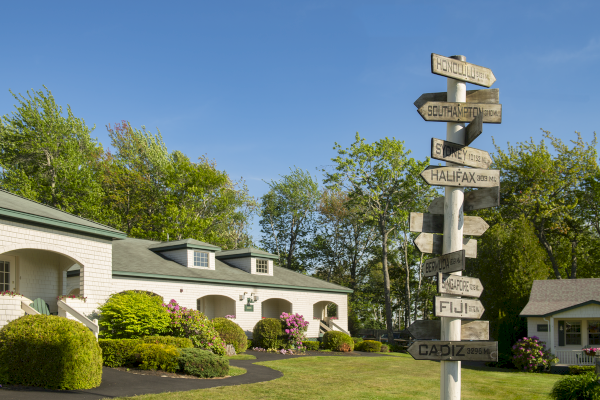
262 86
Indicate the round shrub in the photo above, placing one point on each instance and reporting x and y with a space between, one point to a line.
385 348
577 387
335 340
314 346
268 333
152 356
118 352
132 314
51 352
202 363
192 324
231 333
357 340
530 355
372 346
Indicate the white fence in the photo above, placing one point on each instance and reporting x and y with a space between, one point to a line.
574 357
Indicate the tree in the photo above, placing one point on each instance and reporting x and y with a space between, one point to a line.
49 157
381 179
287 216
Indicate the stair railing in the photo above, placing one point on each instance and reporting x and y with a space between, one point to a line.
93 325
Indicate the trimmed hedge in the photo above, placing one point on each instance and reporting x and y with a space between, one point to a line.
202 363
372 346
580 387
231 333
179 342
385 348
335 340
157 356
268 333
51 352
581 369
311 345
118 352
357 340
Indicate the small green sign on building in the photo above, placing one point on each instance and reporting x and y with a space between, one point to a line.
249 307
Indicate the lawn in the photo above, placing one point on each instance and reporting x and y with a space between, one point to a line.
331 377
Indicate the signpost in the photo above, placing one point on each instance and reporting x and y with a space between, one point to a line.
458 308
474 200
474 129
450 262
485 96
430 329
432 243
453 350
463 177
461 70
459 285
460 112
434 223
459 154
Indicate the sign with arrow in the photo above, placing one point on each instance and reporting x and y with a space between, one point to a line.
462 177
474 129
459 285
434 223
459 154
461 70
460 112
431 243
453 351
450 262
430 329
458 308
485 96
474 200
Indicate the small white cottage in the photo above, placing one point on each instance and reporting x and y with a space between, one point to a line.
565 313
46 253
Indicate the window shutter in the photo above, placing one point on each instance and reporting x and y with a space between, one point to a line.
561 333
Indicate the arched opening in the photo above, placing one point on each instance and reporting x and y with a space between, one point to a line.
216 306
273 308
325 310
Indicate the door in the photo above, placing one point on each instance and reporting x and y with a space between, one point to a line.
8 274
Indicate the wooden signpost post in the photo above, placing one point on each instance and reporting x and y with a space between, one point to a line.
456 107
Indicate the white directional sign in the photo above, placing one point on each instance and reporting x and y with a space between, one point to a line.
460 112
485 96
453 351
459 285
463 177
474 200
430 329
458 308
459 154
450 262
432 243
461 70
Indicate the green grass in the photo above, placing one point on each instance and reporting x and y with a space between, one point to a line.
398 377
241 357
235 371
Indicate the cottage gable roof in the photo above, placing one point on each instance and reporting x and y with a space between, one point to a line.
183 244
246 252
556 295
137 258
15 207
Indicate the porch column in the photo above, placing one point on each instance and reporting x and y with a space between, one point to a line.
584 333
551 333
64 283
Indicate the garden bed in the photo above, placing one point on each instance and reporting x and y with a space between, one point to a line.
164 374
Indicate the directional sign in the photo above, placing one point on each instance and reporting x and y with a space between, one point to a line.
450 262
474 200
434 223
461 70
474 129
459 154
431 243
486 96
458 308
431 329
463 177
442 111
459 285
453 351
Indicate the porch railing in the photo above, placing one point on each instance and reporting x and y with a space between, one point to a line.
28 309
93 325
574 357
339 328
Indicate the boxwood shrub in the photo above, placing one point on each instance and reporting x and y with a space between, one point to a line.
581 369
311 345
385 348
157 356
202 363
231 333
118 352
357 340
268 333
334 340
580 387
51 352
179 342
370 346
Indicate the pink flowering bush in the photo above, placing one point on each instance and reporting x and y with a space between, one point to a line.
192 324
531 355
294 329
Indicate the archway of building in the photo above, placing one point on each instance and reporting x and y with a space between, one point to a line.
216 306
273 308
325 310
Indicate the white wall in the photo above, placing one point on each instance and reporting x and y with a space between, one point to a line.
248 264
532 323
186 257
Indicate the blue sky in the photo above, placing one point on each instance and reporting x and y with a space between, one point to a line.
262 86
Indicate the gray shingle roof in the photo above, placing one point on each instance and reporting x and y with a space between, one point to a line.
16 207
552 296
183 244
246 252
134 258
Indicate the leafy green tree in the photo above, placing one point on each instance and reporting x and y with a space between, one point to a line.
287 216
50 157
385 182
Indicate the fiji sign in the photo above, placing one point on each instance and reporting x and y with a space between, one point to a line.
454 351
463 177
461 70
458 308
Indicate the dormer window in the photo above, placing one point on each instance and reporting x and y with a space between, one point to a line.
200 259
262 266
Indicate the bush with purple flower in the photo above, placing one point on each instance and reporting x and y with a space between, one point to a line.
294 329
530 355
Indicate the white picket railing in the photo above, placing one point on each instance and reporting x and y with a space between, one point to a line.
93 325
574 357
28 309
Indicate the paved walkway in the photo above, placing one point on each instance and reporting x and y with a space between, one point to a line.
120 384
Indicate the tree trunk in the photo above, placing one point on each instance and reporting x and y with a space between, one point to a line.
542 237
574 259
386 282
418 295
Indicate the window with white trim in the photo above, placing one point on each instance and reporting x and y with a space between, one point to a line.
200 259
573 332
593 332
262 267
4 275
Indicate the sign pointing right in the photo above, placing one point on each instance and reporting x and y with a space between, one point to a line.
453 351
461 70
